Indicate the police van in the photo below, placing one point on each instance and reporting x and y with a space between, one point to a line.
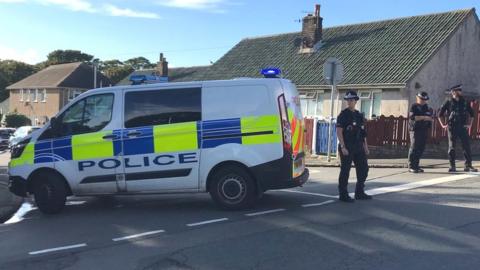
234 139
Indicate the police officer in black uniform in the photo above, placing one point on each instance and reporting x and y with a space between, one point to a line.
419 125
457 110
352 147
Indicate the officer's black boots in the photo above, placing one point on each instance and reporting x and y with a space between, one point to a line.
470 169
362 196
412 170
346 198
452 169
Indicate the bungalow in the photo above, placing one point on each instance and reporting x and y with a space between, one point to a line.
388 61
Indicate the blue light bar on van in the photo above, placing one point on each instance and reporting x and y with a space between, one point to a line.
271 72
145 79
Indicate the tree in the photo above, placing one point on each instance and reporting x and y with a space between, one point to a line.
139 63
67 56
16 120
116 74
12 71
115 70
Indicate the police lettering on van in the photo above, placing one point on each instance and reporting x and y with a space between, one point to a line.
234 139
160 160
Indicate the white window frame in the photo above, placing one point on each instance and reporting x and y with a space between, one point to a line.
44 95
370 93
315 94
21 94
28 95
73 92
36 95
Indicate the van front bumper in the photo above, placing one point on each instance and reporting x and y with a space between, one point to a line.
17 185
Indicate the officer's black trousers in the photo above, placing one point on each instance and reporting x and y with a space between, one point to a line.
418 139
361 166
462 134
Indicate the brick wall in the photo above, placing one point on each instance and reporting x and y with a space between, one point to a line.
37 109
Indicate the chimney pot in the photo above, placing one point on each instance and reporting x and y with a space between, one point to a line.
312 29
162 66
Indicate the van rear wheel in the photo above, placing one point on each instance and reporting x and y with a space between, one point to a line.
232 188
50 193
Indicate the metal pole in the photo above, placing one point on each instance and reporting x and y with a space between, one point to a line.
339 107
329 143
94 75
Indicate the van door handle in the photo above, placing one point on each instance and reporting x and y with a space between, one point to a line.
134 134
110 137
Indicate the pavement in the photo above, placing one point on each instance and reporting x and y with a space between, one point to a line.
321 161
9 203
415 221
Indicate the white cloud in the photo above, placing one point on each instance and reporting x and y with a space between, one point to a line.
126 12
75 5
208 5
30 56
86 6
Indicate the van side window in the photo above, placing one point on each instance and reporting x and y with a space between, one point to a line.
90 114
160 107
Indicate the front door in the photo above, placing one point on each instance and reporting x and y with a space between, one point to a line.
161 139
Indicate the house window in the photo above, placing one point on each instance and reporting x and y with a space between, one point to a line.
312 103
370 103
73 93
28 95
42 95
33 95
21 94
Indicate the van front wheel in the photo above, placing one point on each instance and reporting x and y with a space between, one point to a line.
232 188
50 193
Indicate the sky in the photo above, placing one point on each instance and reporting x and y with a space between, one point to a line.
188 32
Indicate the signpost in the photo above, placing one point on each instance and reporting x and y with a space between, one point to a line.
333 74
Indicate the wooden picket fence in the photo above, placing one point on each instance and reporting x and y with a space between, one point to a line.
393 130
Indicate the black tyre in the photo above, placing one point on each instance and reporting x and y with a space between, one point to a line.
233 188
50 193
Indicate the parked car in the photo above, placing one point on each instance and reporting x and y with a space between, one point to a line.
21 133
5 134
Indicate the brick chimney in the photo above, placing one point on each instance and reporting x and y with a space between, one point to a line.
162 66
312 29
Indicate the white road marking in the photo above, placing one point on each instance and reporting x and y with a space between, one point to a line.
21 212
419 184
137 235
75 202
264 212
318 204
57 249
309 193
207 222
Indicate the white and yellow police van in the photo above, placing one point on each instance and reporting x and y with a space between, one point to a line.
233 138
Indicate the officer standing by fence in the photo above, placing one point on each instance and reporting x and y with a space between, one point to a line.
352 147
419 125
457 110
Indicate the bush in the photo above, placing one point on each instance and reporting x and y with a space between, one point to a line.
17 120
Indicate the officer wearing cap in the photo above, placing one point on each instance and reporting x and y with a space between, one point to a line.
420 122
352 147
457 111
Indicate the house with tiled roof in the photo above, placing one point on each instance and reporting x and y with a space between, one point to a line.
41 95
387 62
